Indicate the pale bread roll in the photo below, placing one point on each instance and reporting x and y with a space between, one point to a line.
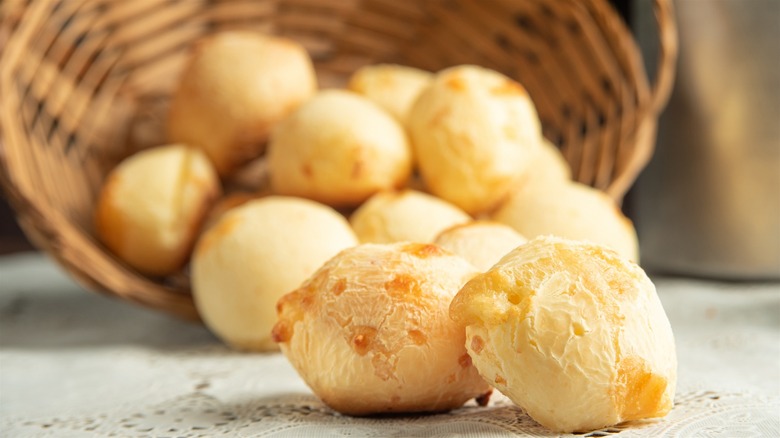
406 215
255 254
339 148
234 89
481 243
152 204
570 210
571 332
393 87
474 133
548 165
370 331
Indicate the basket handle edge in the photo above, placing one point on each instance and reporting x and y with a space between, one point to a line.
663 10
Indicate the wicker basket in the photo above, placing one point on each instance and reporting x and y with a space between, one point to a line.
83 83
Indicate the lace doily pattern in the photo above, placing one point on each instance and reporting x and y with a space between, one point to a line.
81 365
201 415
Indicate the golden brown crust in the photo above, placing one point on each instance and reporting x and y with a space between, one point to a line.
572 332
484 399
380 312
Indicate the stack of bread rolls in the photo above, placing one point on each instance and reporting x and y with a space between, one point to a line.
401 228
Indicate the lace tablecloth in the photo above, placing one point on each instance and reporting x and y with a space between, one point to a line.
74 363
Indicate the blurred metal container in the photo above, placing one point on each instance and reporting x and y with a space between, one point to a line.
709 202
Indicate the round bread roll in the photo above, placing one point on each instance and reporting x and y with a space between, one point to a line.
255 254
481 243
571 332
570 210
152 205
474 132
404 216
393 87
548 165
370 332
234 89
339 148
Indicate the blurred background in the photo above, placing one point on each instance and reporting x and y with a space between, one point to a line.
708 204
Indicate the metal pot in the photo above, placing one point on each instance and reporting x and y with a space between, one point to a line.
708 204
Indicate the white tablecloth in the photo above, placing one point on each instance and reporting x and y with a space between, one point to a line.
74 363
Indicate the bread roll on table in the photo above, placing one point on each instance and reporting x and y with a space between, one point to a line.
370 333
573 333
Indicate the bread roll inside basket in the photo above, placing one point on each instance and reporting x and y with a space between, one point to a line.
85 83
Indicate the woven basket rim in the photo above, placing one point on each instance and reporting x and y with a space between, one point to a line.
37 222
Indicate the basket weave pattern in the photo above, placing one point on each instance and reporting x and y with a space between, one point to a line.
84 83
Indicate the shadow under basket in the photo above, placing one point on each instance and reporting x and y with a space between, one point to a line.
84 83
